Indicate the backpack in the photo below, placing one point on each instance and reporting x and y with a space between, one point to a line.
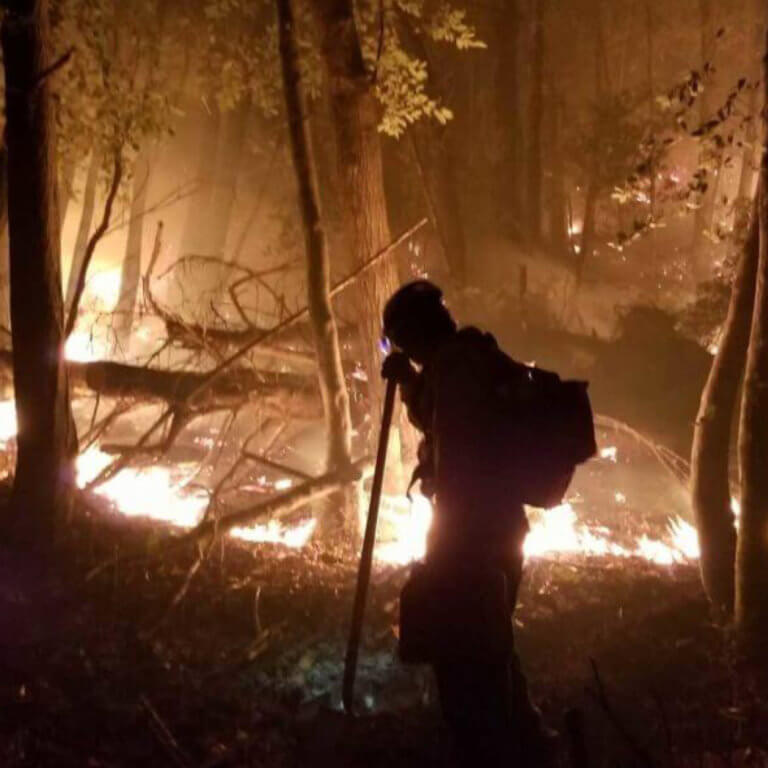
546 429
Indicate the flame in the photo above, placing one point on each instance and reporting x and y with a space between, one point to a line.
403 528
275 532
156 492
556 530
167 494
7 420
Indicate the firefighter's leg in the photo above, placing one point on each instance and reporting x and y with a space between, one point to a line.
475 702
530 732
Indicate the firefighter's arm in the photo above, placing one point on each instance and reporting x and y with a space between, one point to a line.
398 367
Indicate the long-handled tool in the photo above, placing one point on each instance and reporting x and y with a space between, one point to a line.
366 557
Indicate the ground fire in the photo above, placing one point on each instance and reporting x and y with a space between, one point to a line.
383 384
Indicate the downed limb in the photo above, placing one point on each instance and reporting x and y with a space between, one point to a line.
305 493
210 378
283 394
676 465
312 490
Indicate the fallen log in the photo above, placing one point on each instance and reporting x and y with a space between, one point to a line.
285 394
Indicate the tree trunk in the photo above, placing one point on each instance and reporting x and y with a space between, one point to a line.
44 481
130 273
356 118
437 172
535 119
229 160
330 373
5 284
710 483
65 180
751 611
704 213
750 157
84 230
508 108
193 236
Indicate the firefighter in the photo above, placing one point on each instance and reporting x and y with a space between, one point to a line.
445 376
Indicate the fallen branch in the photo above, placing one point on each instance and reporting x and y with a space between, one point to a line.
676 465
600 696
164 736
305 493
309 491
281 394
210 378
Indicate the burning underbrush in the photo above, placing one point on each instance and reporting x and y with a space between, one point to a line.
229 652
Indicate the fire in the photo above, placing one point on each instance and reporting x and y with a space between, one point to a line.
156 492
167 494
403 528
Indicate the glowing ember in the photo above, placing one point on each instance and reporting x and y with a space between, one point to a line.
275 532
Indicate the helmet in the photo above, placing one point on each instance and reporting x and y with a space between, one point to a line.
415 305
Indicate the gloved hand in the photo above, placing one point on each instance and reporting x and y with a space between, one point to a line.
397 367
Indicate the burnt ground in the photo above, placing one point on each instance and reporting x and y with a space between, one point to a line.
245 669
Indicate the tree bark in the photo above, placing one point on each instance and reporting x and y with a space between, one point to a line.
44 481
508 108
536 107
710 477
229 160
330 373
195 225
84 230
130 273
437 172
5 285
705 211
356 117
751 611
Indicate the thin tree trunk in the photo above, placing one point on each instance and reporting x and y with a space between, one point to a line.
330 373
193 234
535 114
437 172
508 108
750 157
43 486
229 160
710 482
703 215
130 273
751 611
86 221
356 118
66 180
587 243
5 283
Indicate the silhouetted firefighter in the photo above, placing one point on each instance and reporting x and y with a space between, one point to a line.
497 435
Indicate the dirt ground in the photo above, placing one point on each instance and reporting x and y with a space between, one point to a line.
245 668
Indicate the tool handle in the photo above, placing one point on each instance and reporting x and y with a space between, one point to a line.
366 557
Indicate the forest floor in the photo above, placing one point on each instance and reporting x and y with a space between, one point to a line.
245 670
